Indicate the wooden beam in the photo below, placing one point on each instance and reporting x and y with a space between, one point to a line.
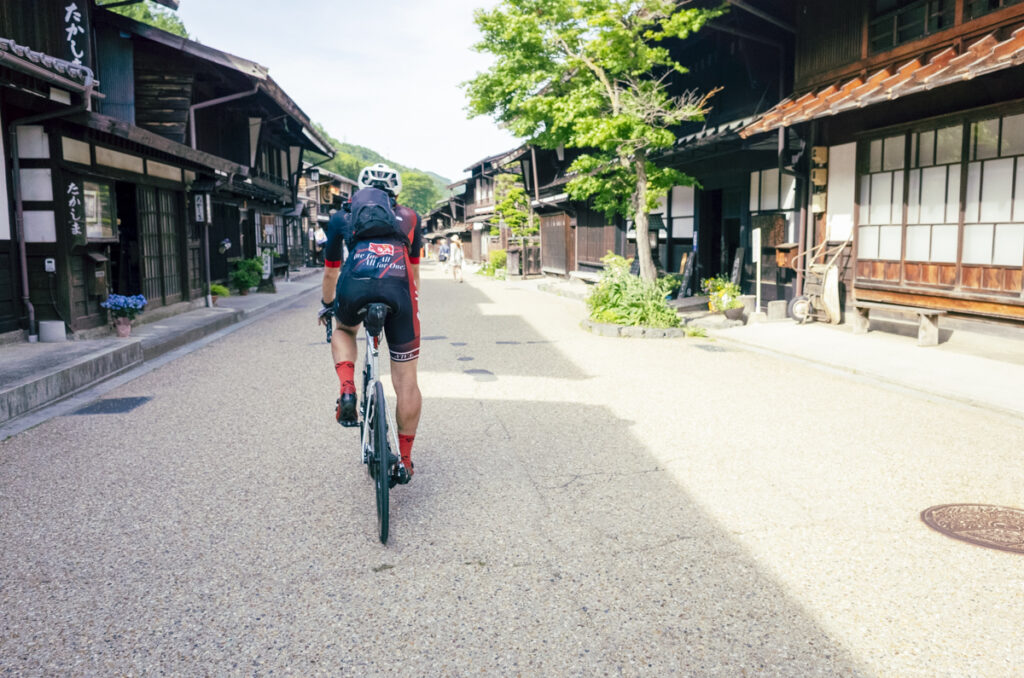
108 125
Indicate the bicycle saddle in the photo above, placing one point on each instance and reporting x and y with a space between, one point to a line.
375 316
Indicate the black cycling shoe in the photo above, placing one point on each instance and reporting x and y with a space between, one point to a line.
345 411
402 475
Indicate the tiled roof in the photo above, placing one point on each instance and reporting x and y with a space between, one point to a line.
11 51
945 68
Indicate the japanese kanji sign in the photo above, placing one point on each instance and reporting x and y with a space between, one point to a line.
73 196
74 32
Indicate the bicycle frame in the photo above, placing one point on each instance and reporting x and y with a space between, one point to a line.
371 375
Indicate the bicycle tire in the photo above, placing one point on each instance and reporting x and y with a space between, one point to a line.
381 460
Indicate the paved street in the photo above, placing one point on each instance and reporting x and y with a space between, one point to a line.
582 506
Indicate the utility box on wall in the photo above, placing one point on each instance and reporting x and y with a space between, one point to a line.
96 273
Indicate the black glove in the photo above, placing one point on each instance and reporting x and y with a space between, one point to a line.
326 313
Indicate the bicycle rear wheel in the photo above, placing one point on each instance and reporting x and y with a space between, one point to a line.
381 460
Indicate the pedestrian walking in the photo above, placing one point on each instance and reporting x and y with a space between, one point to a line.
456 258
443 253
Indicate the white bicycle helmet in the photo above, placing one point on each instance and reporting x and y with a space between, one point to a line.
381 176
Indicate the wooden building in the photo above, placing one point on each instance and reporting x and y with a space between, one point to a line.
120 138
478 200
747 56
915 111
321 192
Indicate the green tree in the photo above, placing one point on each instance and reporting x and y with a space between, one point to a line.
160 17
593 75
512 205
418 192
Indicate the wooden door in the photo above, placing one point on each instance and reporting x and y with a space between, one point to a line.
160 240
149 244
553 241
10 304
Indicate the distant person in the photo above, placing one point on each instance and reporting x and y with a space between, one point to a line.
456 258
442 255
381 267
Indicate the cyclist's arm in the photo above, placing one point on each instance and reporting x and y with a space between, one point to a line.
330 283
332 256
414 252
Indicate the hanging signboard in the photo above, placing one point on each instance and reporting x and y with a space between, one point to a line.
74 199
75 34
200 201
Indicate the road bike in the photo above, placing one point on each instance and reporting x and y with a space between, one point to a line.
378 432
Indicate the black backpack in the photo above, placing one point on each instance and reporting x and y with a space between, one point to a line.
371 215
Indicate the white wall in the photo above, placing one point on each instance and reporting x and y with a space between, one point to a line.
842 180
5 207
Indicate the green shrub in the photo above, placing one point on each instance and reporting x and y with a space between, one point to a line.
623 299
247 273
496 260
219 290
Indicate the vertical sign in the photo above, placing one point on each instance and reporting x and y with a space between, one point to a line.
755 250
76 213
200 201
74 32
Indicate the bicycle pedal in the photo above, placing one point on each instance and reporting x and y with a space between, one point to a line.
400 476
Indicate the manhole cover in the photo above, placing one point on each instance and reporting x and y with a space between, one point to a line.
995 527
113 406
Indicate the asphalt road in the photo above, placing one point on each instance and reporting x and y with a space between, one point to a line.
582 506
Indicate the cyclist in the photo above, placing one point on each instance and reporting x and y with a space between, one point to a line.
380 268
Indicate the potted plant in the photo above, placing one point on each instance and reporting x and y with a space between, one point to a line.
217 291
247 274
123 310
723 296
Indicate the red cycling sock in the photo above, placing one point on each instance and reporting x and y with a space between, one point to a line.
345 372
405 447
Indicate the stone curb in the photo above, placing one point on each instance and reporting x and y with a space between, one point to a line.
608 330
556 290
32 394
64 382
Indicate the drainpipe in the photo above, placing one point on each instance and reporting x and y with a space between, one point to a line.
192 138
19 206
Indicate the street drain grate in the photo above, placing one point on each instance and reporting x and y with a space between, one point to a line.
113 405
711 348
994 527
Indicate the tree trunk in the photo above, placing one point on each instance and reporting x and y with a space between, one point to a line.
643 248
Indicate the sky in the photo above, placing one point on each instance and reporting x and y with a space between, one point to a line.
383 74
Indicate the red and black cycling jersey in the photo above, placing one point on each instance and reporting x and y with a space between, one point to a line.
377 270
339 233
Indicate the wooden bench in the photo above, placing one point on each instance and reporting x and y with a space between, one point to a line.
928 319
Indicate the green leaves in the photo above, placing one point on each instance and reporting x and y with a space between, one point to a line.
419 192
592 74
620 298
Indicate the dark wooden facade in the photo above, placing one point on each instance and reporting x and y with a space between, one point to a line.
920 125
118 192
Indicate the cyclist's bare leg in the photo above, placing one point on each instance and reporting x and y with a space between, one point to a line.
407 412
407 392
344 352
343 343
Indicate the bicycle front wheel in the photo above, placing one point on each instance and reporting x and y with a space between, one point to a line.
381 459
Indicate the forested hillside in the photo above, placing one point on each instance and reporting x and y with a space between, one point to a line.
420 190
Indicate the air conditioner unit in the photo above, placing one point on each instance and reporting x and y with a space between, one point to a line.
819 176
819 155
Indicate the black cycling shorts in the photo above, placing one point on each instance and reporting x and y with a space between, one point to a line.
378 271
